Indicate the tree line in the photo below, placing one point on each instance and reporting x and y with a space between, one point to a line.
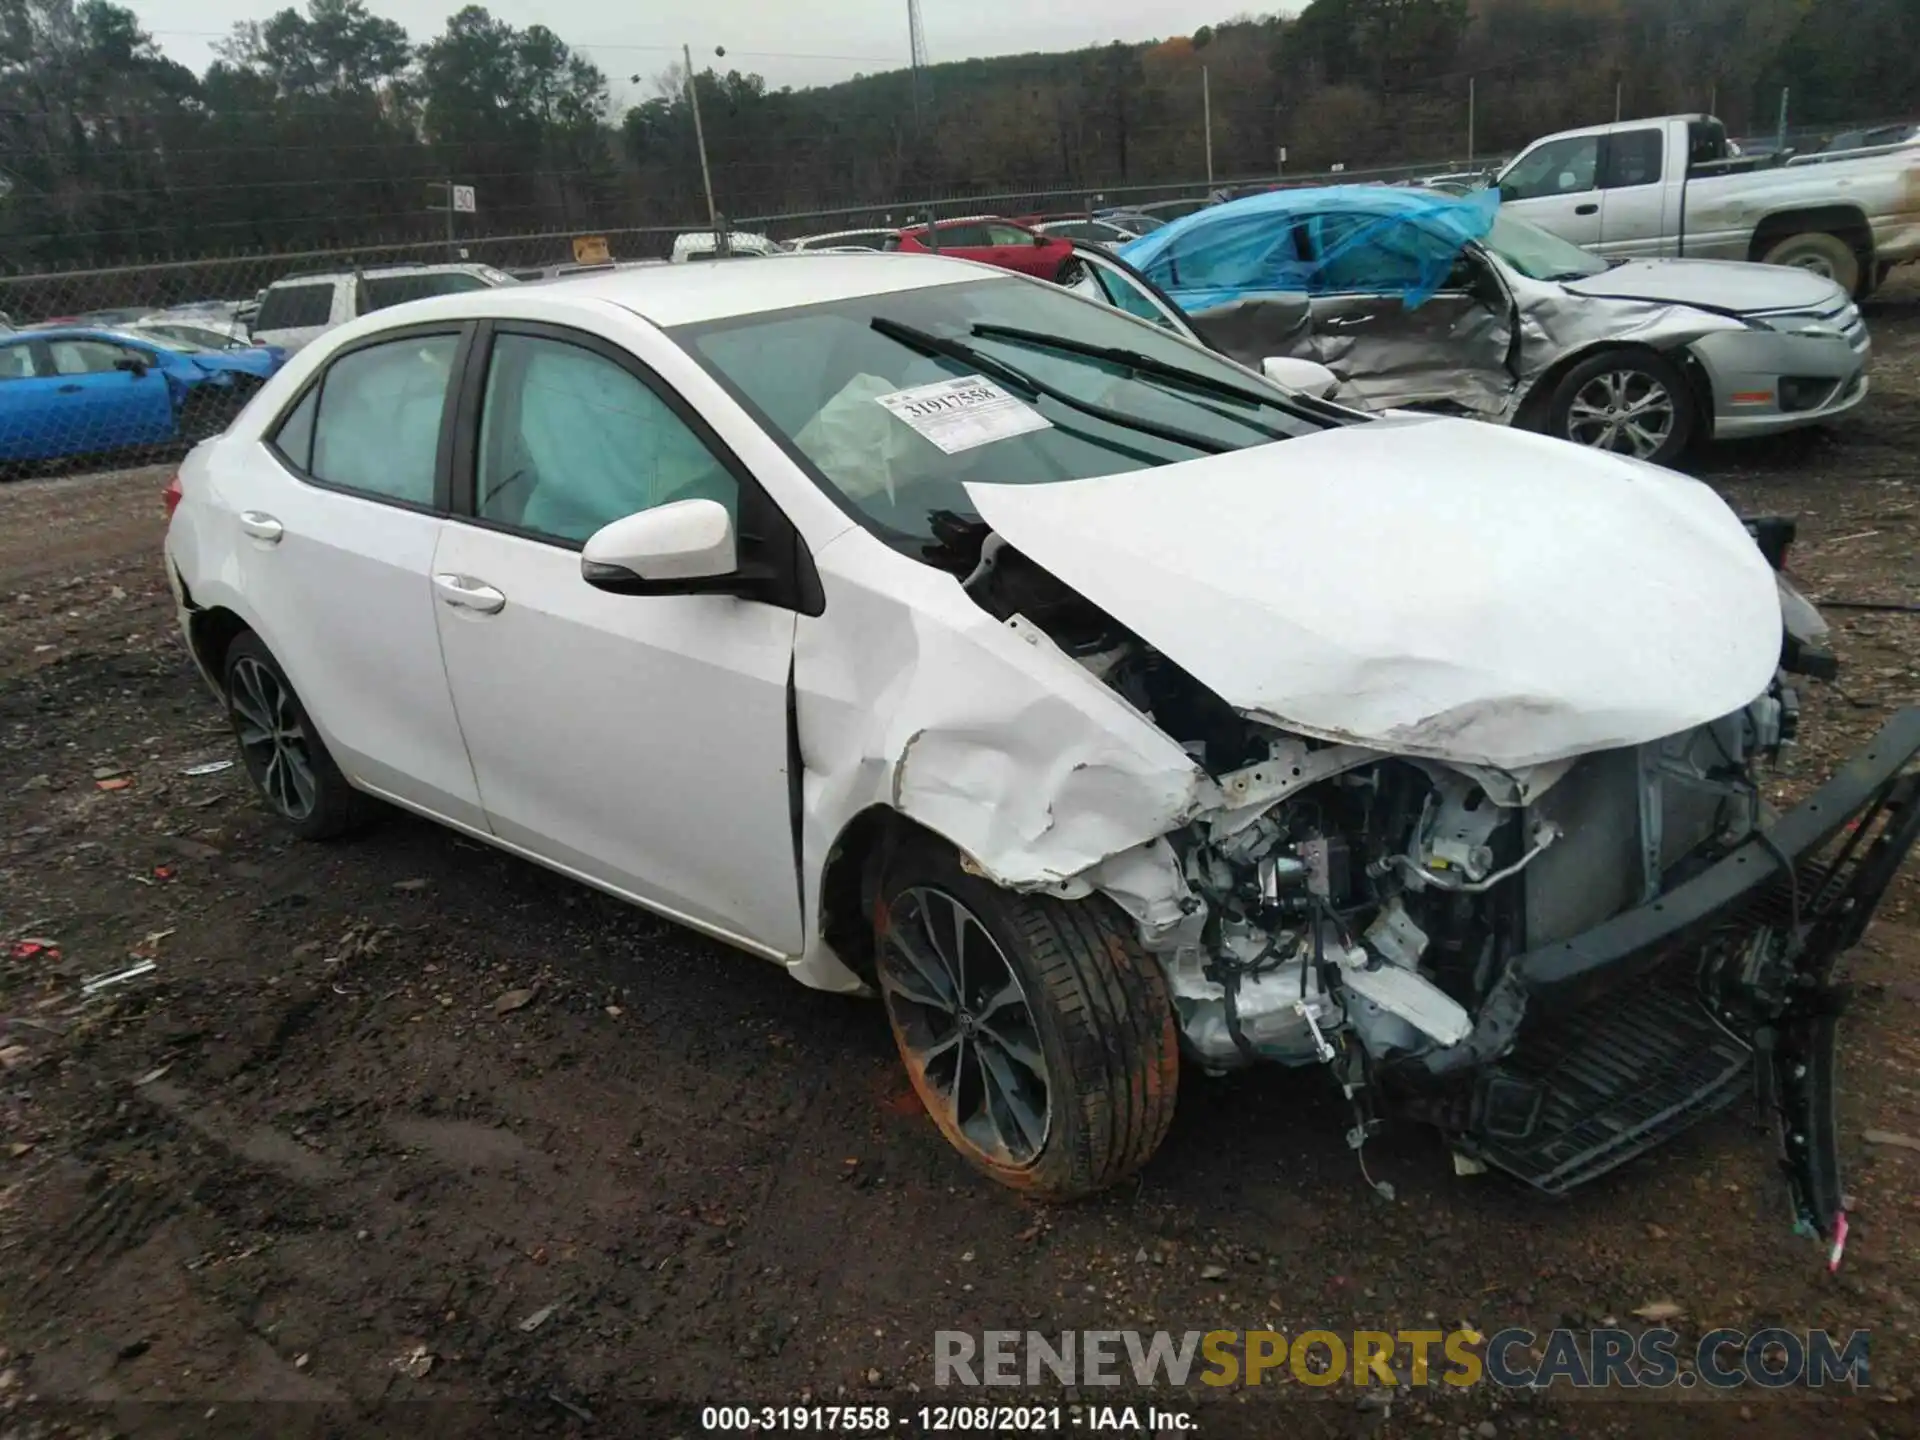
330 127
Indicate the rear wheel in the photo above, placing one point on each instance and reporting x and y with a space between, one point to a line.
1629 402
1819 252
284 755
1036 1031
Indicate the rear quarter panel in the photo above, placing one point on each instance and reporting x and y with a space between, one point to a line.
1723 212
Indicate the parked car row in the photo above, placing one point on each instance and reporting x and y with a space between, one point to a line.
1029 244
1381 284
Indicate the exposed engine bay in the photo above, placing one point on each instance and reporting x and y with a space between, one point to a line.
1345 893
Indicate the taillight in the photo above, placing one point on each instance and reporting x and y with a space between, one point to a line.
172 494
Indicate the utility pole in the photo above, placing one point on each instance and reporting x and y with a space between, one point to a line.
1619 88
1782 138
1470 101
700 140
917 48
453 251
1713 99
1206 108
917 52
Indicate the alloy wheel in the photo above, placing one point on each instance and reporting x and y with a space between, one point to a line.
1626 411
273 741
965 1026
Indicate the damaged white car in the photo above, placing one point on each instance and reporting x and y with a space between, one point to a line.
925 627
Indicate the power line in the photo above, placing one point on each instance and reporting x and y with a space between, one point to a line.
620 45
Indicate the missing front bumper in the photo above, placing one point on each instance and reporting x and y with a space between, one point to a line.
1595 1049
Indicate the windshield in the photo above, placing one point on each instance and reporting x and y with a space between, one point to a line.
869 395
1536 254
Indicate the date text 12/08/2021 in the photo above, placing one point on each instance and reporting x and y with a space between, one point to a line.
1047 1420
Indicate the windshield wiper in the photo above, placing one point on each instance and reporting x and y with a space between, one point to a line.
1145 364
931 345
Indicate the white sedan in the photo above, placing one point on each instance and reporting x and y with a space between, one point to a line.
930 629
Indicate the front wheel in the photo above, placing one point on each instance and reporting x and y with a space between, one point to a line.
1036 1031
1630 402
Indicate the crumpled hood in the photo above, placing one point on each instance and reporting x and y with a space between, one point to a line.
1425 586
1723 284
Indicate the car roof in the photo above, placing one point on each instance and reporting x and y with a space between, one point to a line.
443 267
80 332
837 234
670 295
963 220
1472 213
1619 126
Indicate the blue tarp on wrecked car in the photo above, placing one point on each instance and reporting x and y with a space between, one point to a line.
1341 238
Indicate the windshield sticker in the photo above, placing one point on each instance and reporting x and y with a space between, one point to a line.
963 414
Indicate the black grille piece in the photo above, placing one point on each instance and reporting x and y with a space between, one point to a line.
1587 1093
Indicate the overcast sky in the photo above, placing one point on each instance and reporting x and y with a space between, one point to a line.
797 42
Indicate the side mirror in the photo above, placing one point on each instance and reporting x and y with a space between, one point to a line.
686 547
1041 239
1309 377
133 365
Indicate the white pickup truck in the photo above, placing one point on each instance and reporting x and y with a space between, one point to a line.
1676 186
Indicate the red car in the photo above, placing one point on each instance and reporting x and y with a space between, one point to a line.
994 242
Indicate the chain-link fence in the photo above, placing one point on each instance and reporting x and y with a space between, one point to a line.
106 361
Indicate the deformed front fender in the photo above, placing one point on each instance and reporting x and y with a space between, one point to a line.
1559 327
986 734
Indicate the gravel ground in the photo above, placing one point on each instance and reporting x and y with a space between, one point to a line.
403 1119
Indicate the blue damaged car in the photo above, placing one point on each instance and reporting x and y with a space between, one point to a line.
73 391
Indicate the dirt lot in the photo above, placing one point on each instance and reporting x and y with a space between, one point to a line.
307 1171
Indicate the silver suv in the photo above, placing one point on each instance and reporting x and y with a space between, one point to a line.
296 308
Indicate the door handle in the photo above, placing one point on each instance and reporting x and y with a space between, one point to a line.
466 593
1590 208
262 526
1346 322
70 389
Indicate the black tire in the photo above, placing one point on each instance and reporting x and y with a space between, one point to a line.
1092 1018
1626 379
283 753
1820 252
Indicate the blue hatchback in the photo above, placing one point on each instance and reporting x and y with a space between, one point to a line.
82 391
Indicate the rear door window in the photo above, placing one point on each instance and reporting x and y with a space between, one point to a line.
381 291
295 307
1706 142
958 237
1633 158
377 429
16 361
